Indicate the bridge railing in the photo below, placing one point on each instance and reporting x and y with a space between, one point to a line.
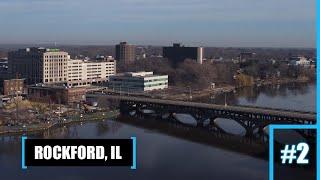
278 109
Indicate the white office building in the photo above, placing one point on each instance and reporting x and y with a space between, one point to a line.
53 66
299 61
138 82
39 65
86 72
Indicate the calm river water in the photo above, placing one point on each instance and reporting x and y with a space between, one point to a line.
161 153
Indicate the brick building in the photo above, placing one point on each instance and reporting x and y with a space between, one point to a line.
13 87
56 94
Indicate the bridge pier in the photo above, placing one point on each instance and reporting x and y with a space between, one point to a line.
213 126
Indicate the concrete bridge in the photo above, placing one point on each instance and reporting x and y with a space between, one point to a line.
251 118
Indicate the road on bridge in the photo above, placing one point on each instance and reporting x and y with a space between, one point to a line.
310 116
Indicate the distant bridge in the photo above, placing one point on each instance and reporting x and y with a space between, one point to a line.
251 118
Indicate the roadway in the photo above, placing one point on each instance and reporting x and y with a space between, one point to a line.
246 109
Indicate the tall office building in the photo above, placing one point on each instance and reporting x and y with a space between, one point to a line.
52 66
178 53
39 65
125 53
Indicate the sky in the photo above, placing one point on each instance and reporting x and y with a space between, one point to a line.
218 23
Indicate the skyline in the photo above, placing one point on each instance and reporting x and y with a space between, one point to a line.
243 23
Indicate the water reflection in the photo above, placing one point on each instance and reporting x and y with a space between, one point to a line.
230 126
295 96
164 146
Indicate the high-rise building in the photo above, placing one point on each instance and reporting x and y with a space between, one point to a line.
178 53
52 66
39 65
125 53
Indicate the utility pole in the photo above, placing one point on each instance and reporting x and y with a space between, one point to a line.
59 107
225 99
17 106
190 94
50 105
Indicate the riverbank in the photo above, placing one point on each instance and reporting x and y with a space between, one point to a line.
5 130
281 81
197 94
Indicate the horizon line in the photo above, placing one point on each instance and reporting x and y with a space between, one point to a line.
99 44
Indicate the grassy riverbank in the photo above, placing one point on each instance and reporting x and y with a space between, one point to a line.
4 130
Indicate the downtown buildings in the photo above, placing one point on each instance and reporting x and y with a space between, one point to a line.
299 61
52 66
52 76
39 65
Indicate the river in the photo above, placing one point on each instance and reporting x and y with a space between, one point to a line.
162 152
294 96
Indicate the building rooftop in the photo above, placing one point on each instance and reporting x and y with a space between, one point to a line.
93 60
39 50
137 74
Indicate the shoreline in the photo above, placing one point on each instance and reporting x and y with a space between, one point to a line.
229 88
282 81
21 130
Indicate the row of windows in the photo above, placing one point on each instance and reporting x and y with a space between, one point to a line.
54 80
56 56
74 66
158 84
46 68
127 80
54 71
75 72
117 83
74 76
96 71
93 65
55 63
153 80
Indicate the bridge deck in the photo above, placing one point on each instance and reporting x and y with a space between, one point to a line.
247 109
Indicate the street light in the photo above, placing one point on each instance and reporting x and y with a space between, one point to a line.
225 99
190 94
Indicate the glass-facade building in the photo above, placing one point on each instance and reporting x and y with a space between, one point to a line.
138 82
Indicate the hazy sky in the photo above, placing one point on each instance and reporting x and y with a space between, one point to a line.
248 23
